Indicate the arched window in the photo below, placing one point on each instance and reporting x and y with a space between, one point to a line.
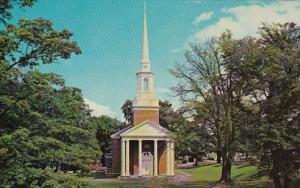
146 85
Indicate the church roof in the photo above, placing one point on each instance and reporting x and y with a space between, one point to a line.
117 134
146 129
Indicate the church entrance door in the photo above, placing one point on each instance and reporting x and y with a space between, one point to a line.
147 164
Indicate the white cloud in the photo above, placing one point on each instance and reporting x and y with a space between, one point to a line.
98 110
203 17
245 20
198 1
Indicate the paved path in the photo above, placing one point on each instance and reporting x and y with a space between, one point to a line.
179 179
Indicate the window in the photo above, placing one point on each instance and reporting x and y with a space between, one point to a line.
146 86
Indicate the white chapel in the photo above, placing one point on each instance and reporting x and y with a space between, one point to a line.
145 148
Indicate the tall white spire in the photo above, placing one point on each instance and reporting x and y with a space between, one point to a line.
145 49
145 96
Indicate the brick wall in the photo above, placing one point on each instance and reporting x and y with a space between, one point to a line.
162 158
116 155
140 116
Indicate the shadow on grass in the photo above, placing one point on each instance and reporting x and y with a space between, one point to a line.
201 165
199 184
242 165
239 175
254 176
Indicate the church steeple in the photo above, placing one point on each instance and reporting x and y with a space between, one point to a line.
145 61
145 49
145 104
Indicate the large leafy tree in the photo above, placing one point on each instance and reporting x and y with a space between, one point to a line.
44 125
47 129
269 69
211 94
105 126
191 139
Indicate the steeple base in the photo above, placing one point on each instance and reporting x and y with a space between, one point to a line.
141 114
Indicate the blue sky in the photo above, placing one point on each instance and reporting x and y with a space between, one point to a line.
109 33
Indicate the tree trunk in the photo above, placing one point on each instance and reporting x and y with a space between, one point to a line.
276 180
287 182
196 162
226 168
275 172
58 166
288 166
219 156
219 144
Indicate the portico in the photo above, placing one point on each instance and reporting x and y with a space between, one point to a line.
125 162
146 150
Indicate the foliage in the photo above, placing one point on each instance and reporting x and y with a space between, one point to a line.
45 129
191 140
44 124
105 126
7 5
269 71
33 42
211 94
127 111
247 92
168 116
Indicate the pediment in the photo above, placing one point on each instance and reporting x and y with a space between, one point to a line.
146 129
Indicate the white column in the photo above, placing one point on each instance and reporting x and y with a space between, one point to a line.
168 158
155 158
122 157
140 157
127 158
172 158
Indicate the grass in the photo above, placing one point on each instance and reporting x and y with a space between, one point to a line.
240 171
94 184
206 176
243 175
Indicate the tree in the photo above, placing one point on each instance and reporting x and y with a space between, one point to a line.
191 139
207 114
168 116
46 129
206 84
269 73
33 42
105 126
127 111
44 125
7 5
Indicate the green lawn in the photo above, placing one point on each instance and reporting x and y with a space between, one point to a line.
112 185
243 174
207 176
